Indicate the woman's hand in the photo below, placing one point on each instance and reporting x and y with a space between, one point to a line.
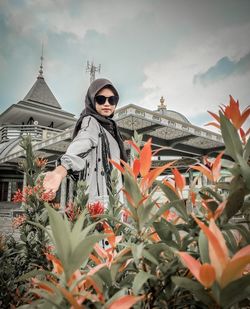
52 180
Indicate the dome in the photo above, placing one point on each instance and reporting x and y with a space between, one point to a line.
162 109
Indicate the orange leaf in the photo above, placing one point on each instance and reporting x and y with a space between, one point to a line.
234 269
207 275
245 115
193 197
128 168
100 251
56 263
129 198
145 158
204 170
242 252
218 252
125 302
95 259
179 179
219 210
191 263
118 166
137 149
148 180
171 186
42 285
70 298
217 166
215 116
136 167
216 125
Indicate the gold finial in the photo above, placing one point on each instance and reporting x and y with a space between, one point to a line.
162 100
162 105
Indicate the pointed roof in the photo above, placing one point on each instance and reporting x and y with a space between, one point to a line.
41 93
39 104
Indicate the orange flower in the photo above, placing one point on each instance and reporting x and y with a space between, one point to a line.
18 197
18 221
96 208
41 162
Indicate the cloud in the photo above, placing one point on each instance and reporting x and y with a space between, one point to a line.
148 48
173 77
222 69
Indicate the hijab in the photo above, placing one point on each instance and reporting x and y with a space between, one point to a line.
107 122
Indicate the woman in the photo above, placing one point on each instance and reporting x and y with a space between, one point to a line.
96 138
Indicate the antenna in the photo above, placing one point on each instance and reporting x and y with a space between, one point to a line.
92 69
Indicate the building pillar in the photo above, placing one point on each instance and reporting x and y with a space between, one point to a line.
71 190
9 191
63 194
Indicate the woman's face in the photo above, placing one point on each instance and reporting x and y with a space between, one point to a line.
105 109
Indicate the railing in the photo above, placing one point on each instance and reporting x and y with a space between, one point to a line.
37 132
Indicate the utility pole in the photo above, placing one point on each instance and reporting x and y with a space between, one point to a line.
92 69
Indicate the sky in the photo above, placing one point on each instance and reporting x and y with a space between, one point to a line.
194 53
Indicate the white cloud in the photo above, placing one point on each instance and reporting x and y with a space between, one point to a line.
173 77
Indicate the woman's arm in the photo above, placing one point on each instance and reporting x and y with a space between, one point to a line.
75 156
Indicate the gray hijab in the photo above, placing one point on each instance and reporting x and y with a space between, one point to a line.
107 122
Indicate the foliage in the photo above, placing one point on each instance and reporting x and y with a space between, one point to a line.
185 252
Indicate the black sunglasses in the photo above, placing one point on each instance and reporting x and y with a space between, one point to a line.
101 99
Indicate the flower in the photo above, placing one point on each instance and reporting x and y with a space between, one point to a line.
72 211
41 162
48 196
18 221
18 197
96 208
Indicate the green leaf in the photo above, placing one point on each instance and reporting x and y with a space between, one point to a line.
81 253
144 211
203 247
163 228
61 232
131 186
117 295
246 152
149 257
245 171
235 292
235 199
137 251
78 234
34 273
159 212
170 194
105 274
139 280
231 242
231 138
196 288
212 193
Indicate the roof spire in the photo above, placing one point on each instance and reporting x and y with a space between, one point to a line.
41 65
162 105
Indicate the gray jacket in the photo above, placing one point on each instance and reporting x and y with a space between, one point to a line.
86 157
